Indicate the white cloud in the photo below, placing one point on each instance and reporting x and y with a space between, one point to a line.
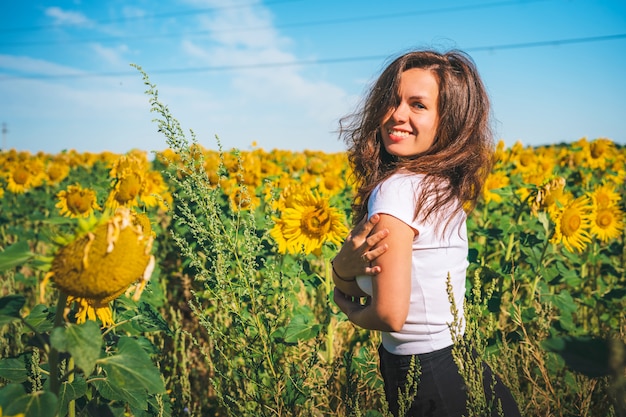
274 105
69 18
20 65
114 56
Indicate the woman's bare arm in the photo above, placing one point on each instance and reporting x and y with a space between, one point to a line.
389 306
354 258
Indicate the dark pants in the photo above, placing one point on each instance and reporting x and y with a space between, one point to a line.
441 391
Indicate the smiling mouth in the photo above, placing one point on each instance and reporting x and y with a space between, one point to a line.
397 135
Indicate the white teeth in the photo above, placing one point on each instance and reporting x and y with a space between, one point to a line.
399 133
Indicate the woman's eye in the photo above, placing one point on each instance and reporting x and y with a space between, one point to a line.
418 105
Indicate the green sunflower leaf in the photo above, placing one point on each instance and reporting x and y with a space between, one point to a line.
14 400
302 326
10 307
14 369
15 255
131 368
71 391
134 397
82 341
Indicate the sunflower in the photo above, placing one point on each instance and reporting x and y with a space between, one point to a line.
608 223
126 191
572 224
19 179
550 196
544 165
331 184
525 161
77 201
608 219
306 223
599 153
56 171
129 176
605 196
496 180
240 196
154 190
98 266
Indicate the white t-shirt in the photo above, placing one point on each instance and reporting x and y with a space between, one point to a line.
434 256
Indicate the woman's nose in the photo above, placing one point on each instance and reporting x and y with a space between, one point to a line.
400 113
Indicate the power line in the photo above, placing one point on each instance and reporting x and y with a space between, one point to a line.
337 21
152 16
220 68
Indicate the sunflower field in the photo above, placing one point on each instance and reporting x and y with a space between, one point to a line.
197 282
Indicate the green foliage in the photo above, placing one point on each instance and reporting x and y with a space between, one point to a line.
89 370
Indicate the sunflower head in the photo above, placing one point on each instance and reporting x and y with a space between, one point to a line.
495 180
605 196
77 201
608 223
306 223
56 171
550 196
21 177
600 152
572 224
100 265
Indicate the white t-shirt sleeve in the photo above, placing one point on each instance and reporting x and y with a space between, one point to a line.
396 196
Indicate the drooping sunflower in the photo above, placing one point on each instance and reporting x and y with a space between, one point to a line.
77 201
572 224
100 265
306 223
550 196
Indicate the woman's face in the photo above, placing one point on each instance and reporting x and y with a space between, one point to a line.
410 128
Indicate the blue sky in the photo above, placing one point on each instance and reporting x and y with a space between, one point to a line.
281 73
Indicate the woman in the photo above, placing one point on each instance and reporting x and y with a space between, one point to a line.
420 149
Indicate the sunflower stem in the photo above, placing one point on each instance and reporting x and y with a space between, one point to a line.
330 332
53 359
71 406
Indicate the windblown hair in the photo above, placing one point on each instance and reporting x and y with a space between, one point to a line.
459 160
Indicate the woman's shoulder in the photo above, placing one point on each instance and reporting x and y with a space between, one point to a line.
402 179
398 186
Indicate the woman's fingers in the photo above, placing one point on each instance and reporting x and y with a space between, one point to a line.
372 240
372 270
372 254
361 231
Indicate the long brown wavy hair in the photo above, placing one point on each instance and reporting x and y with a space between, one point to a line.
457 163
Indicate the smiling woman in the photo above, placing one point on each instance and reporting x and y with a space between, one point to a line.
421 149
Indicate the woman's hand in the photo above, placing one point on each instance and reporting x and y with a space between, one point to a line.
360 249
346 303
